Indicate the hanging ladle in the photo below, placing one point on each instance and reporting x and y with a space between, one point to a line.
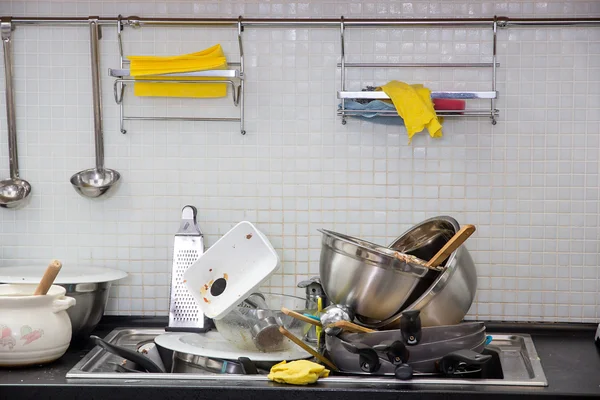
94 182
15 190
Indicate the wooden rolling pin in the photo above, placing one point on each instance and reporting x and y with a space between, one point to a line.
48 278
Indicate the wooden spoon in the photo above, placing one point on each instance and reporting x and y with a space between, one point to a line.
307 348
300 317
48 278
352 327
434 263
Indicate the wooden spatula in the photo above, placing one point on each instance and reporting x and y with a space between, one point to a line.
441 256
48 278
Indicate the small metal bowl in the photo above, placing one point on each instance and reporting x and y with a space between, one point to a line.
93 182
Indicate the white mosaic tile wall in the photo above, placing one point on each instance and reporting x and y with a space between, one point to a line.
530 183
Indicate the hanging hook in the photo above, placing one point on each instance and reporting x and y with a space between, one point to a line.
118 96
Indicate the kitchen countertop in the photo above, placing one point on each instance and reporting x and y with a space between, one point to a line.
567 352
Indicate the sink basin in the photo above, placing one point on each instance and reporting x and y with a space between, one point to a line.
520 365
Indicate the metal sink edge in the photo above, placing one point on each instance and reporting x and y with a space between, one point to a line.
81 371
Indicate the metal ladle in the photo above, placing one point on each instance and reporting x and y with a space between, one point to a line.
15 190
94 182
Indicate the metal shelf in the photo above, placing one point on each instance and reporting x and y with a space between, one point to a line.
379 95
232 77
491 95
217 73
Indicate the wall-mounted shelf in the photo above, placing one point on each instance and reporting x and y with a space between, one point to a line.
369 95
224 73
232 77
434 95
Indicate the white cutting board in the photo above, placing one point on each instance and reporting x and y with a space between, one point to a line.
231 269
69 274
213 345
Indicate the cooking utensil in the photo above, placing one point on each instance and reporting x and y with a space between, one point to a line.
151 351
459 238
88 285
264 332
33 329
48 278
95 182
435 343
234 267
133 356
351 327
367 278
211 344
300 317
308 349
335 313
256 329
450 296
184 314
188 363
13 191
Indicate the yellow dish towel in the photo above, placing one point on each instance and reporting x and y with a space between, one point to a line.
301 372
144 67
414 105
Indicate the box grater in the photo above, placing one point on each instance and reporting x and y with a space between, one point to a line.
184 314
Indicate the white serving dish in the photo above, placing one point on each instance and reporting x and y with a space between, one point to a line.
234 267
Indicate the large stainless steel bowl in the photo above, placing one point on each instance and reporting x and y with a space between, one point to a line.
365 277
91 300
448 299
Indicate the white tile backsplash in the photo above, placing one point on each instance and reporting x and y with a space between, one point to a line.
530 183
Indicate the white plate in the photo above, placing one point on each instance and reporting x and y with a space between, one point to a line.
212 344
69 274
235 266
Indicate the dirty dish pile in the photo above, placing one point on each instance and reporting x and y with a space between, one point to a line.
376 284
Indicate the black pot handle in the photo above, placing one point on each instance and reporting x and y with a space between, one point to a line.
248 367
462 361
367 357
410 326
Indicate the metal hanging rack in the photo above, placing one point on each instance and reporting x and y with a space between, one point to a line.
492 94
238 91
232 77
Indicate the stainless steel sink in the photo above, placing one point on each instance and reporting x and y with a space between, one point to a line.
519 360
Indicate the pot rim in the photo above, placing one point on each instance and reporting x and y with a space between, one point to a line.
387 254
27 298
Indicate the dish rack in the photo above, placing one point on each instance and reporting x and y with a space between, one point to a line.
492 112
232 77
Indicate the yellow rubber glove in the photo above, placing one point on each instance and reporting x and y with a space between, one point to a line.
414 105
301 372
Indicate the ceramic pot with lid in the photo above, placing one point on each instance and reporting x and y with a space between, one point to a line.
33 329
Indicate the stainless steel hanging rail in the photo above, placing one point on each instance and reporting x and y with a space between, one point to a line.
323 22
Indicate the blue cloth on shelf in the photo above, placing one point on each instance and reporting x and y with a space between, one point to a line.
375 106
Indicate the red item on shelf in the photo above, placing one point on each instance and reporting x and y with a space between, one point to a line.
449 104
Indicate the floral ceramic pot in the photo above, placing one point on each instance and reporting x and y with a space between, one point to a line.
33 329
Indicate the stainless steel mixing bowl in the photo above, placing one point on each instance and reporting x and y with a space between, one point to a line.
448 299
86 313
365 277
